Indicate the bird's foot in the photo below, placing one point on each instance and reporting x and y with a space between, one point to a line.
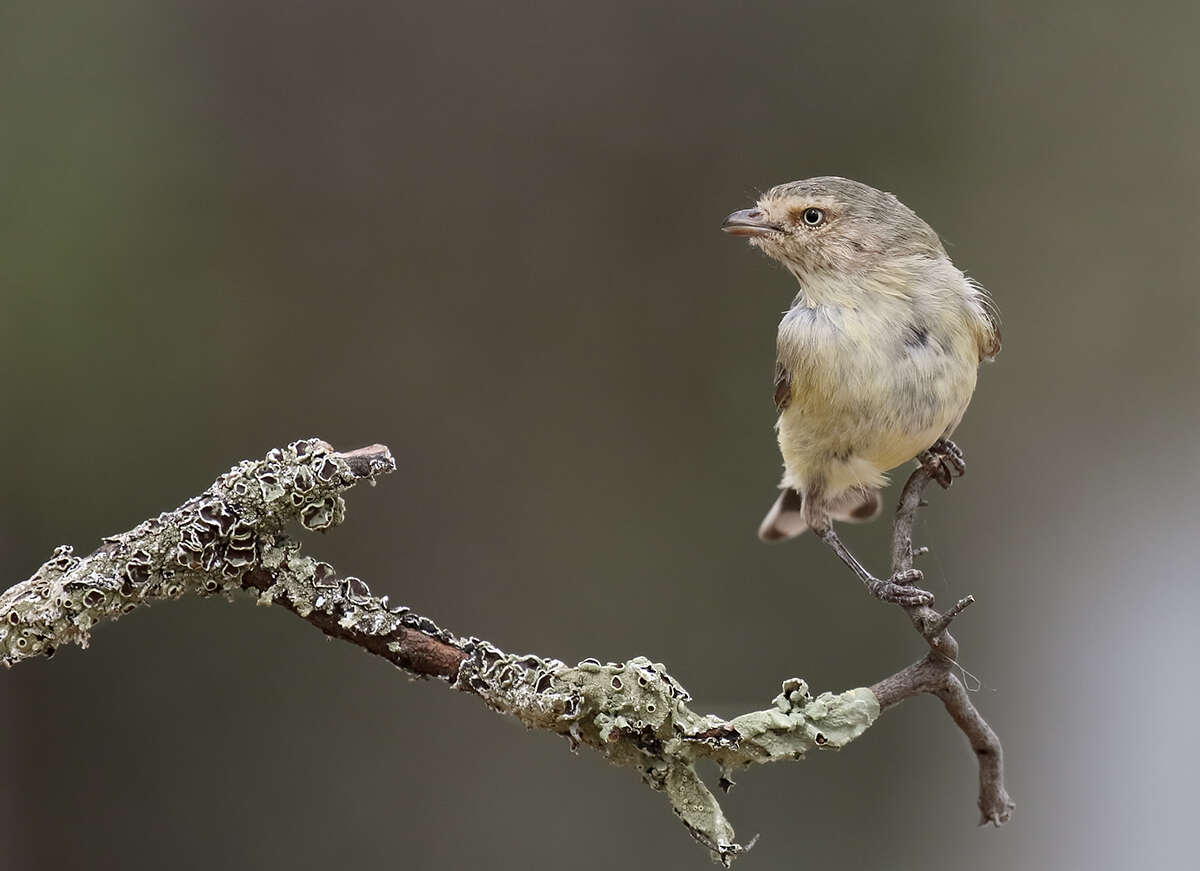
944 461
900 590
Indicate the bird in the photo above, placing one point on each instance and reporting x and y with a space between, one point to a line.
876 357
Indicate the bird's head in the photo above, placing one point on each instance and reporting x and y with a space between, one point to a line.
833 225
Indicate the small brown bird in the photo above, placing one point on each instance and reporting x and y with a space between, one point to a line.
876 357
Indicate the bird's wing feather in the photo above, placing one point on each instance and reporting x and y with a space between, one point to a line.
985 322
783 387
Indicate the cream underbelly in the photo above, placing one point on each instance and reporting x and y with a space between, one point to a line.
841 455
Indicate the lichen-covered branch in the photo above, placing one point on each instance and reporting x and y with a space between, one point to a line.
232 537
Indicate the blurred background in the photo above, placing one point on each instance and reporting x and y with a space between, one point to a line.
487 236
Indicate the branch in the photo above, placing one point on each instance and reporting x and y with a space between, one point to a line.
933 674
232 538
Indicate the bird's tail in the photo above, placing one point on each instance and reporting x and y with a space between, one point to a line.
786 517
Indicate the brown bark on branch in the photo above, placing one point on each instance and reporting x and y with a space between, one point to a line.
933 674
232 538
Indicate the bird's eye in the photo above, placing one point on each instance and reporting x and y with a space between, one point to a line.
814 217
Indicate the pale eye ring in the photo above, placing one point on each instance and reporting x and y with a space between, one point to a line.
813 217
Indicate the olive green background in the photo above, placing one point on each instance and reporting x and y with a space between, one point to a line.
487 235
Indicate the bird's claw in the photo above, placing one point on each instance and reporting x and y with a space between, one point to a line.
908 577
900 590
944 461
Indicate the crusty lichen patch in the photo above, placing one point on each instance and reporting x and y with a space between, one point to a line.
204 546
637 715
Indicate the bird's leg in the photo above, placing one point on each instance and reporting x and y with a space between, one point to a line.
899 588
944 460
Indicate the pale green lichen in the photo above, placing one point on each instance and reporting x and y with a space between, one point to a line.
798 723
700 812
637 715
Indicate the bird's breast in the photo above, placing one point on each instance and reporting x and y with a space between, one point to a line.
869 390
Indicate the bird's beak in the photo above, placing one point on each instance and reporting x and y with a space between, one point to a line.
749 222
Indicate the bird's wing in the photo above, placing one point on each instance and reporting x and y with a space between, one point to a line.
783 387
989 344
985 321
